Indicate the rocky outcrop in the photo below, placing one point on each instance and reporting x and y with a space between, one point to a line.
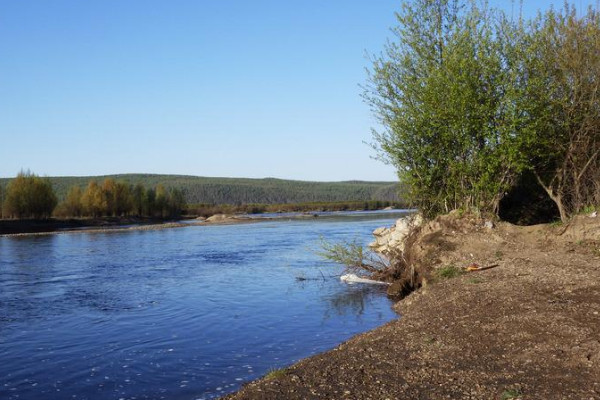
391 239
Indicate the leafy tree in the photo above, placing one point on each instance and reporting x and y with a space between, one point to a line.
93 201
108 193
149 203
138 196
123 201
160 201
72 205
176 202
29 196
560 99
439 91
1 202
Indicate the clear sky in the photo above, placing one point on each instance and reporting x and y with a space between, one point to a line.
201 87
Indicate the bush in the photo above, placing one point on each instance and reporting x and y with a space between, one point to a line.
29 196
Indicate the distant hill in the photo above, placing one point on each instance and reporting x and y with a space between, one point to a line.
205 190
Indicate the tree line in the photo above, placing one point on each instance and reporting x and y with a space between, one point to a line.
238 191
30 196
475 104
206 210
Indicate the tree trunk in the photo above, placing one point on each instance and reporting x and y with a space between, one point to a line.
556 198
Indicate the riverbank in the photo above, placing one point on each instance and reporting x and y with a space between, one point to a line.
9 228
528 328
113 224
107 224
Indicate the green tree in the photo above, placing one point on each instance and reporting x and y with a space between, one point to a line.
561 134
123 200
160 202
439 90
1 202
108 193
149 205
72 205
176 203
93 201
138 196
29 196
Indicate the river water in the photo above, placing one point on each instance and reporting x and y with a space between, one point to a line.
187 313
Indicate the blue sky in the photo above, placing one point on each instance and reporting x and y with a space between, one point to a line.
211 88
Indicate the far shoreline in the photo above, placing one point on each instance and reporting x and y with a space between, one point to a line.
27 228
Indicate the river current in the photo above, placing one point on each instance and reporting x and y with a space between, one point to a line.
186 313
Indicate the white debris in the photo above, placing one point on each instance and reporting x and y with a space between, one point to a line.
353 278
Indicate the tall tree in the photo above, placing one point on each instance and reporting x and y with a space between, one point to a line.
561 88
122 199
161 201
439 91
137 197
108 193
1 202
93 201
29 196
72 205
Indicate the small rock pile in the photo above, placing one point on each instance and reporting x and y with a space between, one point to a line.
392 239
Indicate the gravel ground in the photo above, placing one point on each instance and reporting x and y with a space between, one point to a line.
526 329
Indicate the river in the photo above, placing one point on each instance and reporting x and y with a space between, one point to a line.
187 313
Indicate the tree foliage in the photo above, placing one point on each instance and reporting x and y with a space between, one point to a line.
118 199
469 100
29 196
240 191
439 91
561 134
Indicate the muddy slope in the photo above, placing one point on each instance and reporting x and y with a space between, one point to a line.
528 328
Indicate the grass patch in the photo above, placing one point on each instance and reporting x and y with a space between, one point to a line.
475 281
589 210
276 373
556 223
511 394
499 254
449 272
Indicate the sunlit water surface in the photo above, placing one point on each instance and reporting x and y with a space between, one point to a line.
188 313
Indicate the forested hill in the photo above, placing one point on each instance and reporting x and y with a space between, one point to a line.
243 190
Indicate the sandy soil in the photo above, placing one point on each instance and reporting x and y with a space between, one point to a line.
528 328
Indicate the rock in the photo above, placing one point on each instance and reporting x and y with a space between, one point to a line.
380 231
594 214
218 218
489 225
387 239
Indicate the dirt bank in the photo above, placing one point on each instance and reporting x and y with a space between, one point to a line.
528 328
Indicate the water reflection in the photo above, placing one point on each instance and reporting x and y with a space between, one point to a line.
353 301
